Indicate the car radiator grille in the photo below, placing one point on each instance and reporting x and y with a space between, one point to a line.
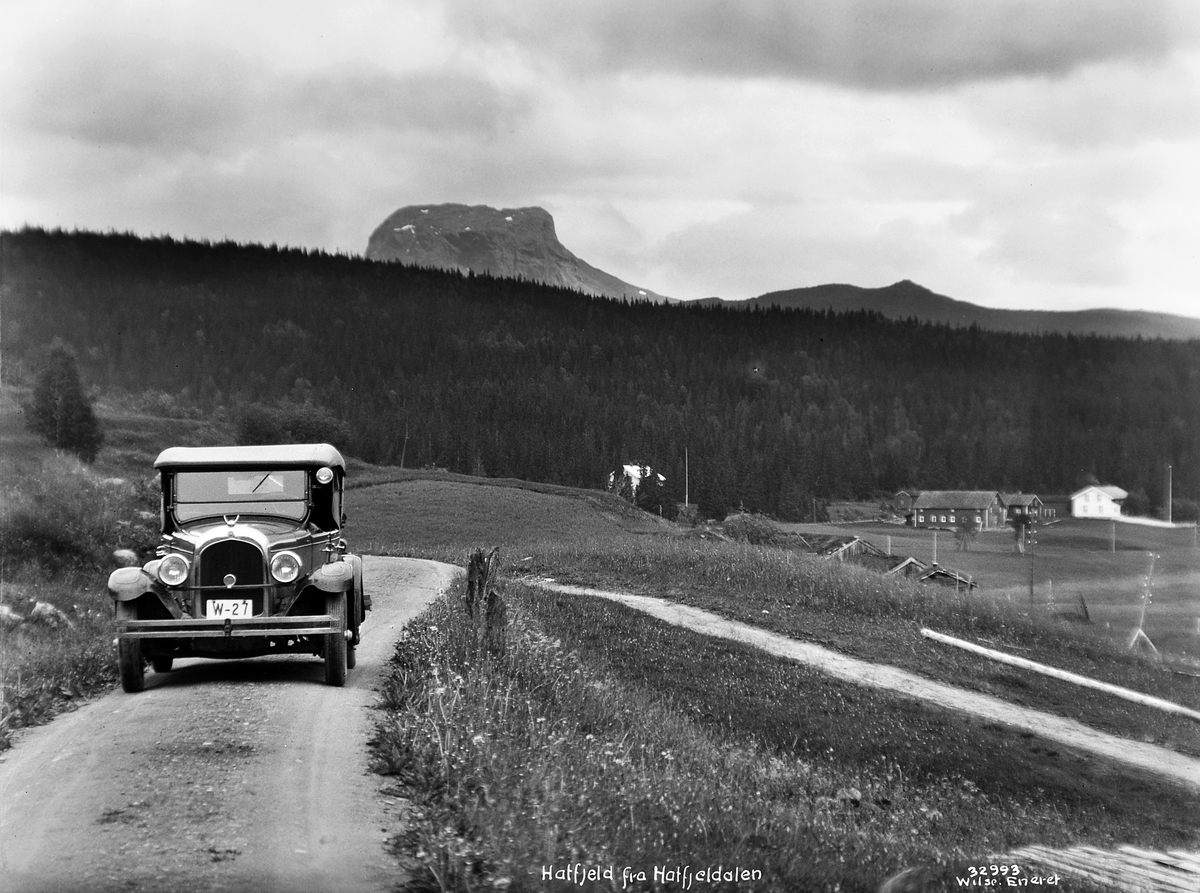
243 560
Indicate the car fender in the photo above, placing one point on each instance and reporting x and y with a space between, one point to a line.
128 583
337 576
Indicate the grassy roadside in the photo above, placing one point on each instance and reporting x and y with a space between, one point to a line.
604 738
857 612
60 521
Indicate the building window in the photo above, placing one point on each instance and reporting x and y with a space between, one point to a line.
921 518
978 520
951 519
943 519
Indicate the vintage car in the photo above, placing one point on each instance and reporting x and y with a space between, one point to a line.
251 562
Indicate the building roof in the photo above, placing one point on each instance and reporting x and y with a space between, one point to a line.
291 454
1021 499
900 563
1114 493
945 573
956 499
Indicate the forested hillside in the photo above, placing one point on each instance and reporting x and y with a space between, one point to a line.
775 407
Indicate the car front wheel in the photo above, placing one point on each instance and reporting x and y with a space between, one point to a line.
129 653
335 641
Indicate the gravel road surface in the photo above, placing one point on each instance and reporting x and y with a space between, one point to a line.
243 775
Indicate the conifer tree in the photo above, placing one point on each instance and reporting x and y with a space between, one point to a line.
60 412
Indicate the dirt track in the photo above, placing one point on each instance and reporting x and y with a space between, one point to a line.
1146 757
222 775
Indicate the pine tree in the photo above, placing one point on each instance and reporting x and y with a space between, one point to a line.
60 412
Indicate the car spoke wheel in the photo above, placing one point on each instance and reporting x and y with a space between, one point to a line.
335 642
129 653
352 607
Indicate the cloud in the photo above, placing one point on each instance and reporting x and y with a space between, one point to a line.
1101 106
434 101
871 44
201 98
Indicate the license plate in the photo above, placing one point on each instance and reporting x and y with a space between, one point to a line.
230 607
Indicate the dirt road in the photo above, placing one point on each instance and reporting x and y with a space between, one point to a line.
221 775
1146 757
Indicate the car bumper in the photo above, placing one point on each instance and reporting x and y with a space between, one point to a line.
200 628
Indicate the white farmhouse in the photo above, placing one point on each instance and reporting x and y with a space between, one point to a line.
1097 501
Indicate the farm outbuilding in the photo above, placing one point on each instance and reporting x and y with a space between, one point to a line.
1024 505
944 576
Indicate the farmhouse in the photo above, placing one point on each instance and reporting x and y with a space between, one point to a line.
948 508
1097 501
1025 504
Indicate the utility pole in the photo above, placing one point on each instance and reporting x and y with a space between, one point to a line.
1032 542
1168 494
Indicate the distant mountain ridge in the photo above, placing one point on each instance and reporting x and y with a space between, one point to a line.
509 242
522 243
906 299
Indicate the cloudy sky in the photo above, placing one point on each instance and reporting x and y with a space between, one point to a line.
1013 153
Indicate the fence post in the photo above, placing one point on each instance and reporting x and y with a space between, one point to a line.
491 625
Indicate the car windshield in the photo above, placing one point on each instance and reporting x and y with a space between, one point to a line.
273 492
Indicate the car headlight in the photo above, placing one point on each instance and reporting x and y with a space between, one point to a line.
173 570
285 567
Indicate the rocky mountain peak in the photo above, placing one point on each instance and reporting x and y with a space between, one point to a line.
507 242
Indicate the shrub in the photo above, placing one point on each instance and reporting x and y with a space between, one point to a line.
754 529
1185 510
289 422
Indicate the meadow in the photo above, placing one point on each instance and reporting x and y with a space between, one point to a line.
1104 564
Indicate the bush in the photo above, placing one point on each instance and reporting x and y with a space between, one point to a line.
757 530
289 422
1185 510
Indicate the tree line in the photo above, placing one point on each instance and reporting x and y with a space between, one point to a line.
778 410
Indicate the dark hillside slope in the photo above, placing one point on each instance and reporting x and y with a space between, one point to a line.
907 300
776 408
